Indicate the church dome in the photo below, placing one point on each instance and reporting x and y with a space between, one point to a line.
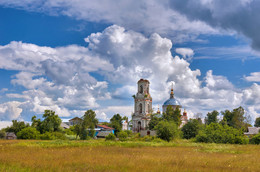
171 101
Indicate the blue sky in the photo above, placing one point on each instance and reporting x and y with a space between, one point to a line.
71 57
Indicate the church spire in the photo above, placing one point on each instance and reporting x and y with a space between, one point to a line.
172 94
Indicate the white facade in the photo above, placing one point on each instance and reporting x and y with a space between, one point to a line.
143 106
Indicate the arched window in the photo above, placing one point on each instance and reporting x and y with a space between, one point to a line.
139 127
140 108
141 89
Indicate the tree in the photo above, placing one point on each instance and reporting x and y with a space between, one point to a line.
217 133
51 122
155 119
2 134
16 126
28 133
173 115
236 118
116 123
167 130
88 125
191 129
257 122
212 117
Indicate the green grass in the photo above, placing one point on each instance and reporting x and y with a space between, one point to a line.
101 155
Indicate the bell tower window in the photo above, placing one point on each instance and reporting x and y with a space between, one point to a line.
140 108
141 89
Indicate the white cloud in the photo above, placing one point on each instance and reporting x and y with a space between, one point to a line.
10 110
61 78
253 77
186 53
142 16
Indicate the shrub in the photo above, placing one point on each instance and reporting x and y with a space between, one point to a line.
167 130
216 133
2 134
129 132
122 135
28 133
111 137
53 136
191 129
255 139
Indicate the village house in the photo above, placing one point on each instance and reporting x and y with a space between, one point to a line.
10 136
252 131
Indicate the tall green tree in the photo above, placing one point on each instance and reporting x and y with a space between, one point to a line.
51 122
116 123
167 130
212 117
155 119
173 115
16 126
191 129
235 118
257 122
88 124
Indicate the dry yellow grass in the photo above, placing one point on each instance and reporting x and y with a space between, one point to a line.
98 156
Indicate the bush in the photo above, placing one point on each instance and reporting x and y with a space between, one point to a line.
255 139
28 133
53 136
122 135
216 133
129 132
167 130
111 137
191 129
2 134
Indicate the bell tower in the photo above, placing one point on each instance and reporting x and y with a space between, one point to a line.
143 106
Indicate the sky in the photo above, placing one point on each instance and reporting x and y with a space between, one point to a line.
71 56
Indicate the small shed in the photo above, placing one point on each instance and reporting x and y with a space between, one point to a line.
10 136
102 131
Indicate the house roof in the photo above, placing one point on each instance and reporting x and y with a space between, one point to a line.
76 118
64 125
10 134
252 130
105 127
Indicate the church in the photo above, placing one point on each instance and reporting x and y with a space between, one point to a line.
143 108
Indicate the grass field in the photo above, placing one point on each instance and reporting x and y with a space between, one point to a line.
99 155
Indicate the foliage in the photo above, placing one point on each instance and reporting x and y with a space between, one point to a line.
257 122
151 139
236 118
28 133
155 119
173 115
212 117
255 139
87 127
122 135
70 131
111 137
217 133
2 134
53 136
167 130
129 132
191 129
116 123
51 122
16 126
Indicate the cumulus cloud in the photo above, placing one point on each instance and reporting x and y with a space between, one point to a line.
236 15
186 53
142 16
10 110
64 78
253 77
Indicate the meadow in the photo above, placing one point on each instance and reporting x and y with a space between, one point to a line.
101 155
